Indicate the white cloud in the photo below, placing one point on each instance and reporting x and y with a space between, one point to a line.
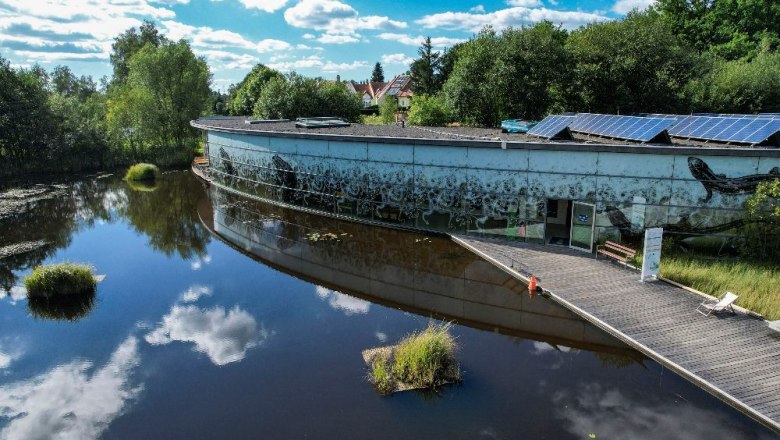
337 39
339 301
68 402
397 58
222 57
515 16
224 336
478 8
334 19
611 414
195 293
626 6
309 36
310 62
525 3
271 45
16 294
265 5
409 40
337 67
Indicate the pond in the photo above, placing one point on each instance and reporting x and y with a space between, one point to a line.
222 317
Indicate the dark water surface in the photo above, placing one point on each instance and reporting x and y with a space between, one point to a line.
220 317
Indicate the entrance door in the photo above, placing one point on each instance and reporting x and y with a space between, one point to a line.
583 223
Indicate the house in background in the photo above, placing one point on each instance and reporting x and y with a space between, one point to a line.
373 93
400 89
367 90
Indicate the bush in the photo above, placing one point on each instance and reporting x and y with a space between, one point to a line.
60 280
387 110
424 359
294 96
762 214
142 172
429 110
373 120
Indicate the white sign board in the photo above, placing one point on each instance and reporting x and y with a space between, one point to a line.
651 259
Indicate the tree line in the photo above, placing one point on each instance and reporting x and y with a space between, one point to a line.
679 56
58 122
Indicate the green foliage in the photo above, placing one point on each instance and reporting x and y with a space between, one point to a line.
387 109
60 280
762 215
244 96
425 70
128 44
633 65
378 74
731 29
62 308
141 172
372 120
473 85
167 87
295 96
429 110
425 358
739 86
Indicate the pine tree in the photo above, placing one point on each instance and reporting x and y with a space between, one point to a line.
378 75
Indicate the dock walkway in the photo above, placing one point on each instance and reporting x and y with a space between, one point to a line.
735 357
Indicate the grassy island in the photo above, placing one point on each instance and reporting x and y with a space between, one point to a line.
142 172
60 280
423 359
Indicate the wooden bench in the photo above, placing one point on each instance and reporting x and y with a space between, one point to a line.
616 251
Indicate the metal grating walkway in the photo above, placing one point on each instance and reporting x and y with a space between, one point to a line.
734 357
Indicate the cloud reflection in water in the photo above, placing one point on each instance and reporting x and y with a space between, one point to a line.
224 336
67 402
339 301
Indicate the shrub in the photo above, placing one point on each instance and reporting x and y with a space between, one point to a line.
762 214
429 110
60 280
373 120
387 110
424 359
142 172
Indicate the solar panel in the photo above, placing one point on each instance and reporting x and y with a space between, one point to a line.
745 129
553 127
320 122
635 128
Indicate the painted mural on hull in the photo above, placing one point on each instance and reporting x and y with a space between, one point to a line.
491 191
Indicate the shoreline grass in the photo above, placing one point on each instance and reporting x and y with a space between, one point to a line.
142 172
59 280
755 282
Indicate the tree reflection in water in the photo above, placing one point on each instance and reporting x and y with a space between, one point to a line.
38 220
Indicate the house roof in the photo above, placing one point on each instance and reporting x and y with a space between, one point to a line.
399 84
370 87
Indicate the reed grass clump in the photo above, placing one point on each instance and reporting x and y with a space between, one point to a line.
142 172
755 283
426 358
381 375
59 280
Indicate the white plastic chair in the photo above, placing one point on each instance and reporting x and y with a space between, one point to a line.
723 303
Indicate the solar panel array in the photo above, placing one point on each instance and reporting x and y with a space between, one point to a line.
747 129
635 128
552 127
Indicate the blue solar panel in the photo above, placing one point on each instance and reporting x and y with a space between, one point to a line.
635 128
552 127
745 129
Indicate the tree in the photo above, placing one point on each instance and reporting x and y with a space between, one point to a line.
425 70
127 44
448 60
532 71
637 64
731 29
65 83
739 86
472 88
167 87
762 215
387 109
295 96
429 110
378 75
243 97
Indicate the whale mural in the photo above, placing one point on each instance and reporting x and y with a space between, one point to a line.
727 185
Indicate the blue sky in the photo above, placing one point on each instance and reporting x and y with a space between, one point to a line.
313 37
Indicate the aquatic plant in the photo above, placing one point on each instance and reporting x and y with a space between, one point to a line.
381 375
142 185
62 308
426 358
142 172
60 280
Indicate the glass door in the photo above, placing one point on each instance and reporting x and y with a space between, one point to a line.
583 223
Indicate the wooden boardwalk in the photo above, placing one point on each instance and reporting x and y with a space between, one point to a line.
735 357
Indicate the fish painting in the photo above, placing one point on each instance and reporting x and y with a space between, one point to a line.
727 185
